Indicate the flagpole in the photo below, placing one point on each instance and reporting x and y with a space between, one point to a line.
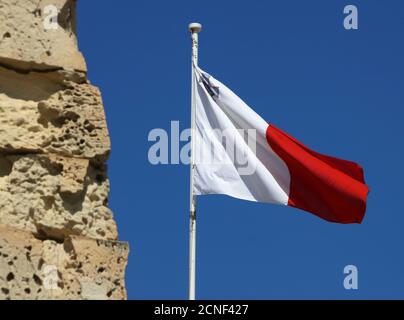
194 28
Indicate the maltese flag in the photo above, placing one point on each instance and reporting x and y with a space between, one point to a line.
239 154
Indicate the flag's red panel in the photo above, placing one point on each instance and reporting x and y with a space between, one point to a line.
331 188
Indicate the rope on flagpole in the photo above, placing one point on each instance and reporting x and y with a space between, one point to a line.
194 28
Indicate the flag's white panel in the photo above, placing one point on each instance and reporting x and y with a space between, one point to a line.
257 175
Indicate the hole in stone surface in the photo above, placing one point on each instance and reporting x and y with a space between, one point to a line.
40 264
6 35
101 269
27 290
105 202
37 280
61 285
73 202
5 290
10 277
99 178
6 166
101 233
37 13
89 126
49 114
48 202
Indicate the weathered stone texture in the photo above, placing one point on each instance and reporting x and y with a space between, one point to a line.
26 44
42 113
77 268
55 197
54 144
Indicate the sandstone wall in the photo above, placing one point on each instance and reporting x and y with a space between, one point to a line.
58 238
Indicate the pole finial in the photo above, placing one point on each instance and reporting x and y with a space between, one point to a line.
195 27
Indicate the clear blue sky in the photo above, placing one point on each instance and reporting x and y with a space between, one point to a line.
340 92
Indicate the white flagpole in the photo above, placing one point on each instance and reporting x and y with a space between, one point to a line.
194 28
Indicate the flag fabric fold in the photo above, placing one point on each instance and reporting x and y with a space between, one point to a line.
239 154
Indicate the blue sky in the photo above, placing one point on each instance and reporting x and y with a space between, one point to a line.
338 91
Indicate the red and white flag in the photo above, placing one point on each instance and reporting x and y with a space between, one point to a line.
239 154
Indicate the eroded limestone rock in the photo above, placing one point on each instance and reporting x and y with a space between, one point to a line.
57 234
45 113
78 268
55 197
27 43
